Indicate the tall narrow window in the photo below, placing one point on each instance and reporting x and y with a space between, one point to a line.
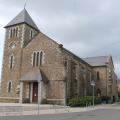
37 58
31 34
37 62
98 76
34 58
11 32
16 32
75 85
11 62
9 87
66 65
90 76
41 58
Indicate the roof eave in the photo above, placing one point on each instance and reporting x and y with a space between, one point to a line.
7 26
100 66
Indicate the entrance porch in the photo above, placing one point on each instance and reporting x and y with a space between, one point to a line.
31 87
30 92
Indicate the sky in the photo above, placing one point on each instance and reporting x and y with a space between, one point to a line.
86 27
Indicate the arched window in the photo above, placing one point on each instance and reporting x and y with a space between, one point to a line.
9 87
31 34
11 32
16 32
41 58
98 76
66 64
38 56
34 58
11 61
37 59
75 87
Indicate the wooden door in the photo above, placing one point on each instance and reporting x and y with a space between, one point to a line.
35 92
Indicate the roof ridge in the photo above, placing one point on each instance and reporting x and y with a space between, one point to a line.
24 13
95 57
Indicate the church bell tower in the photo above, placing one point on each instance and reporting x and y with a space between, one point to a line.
22 27
19 32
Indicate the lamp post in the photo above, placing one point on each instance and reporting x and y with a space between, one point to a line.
93 86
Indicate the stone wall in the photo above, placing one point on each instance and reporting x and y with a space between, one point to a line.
13 74
108 79
66 74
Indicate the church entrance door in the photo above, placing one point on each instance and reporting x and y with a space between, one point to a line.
35 92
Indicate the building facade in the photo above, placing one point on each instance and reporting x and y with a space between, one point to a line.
105 78
38 69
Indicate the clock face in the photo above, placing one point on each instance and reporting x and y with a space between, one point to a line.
12 45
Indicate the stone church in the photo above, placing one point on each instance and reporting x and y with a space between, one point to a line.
38 69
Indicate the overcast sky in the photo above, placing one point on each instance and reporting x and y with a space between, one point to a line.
85 27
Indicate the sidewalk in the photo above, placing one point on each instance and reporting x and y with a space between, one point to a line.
14 109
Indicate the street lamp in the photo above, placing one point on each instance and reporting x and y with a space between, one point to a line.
93 85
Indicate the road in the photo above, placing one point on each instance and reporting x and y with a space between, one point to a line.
102 114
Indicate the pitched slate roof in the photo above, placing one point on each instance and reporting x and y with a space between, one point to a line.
96 61
22 17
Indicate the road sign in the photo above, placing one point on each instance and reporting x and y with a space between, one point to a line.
93 83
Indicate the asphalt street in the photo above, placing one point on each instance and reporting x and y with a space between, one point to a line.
105 114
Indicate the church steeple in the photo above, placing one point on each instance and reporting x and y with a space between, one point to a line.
21 28
22 17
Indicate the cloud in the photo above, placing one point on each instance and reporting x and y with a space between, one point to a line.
86 27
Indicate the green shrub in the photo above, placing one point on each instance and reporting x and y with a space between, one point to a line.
83 101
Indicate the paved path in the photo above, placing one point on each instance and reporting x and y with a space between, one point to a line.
34 109
102 114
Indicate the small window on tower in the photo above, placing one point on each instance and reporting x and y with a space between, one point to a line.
11 33
11 61
9 87
31 34
16 32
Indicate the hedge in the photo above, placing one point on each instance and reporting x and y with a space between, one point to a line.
83 101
